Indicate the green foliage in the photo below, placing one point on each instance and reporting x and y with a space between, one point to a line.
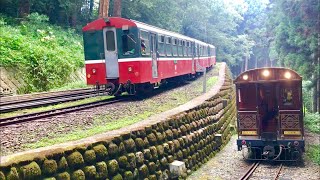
313 153
312 122
43 55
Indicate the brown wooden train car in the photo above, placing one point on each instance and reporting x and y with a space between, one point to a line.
270 114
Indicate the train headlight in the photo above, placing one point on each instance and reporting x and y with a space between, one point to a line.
130 69
287 75
266 73
94 71
245 77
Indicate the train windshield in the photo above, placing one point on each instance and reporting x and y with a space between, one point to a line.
128 44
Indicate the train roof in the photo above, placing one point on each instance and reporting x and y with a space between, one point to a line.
267 74
118 22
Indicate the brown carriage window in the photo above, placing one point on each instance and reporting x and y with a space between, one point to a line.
168 46
161 45
287 96
128 44
110 41
145 45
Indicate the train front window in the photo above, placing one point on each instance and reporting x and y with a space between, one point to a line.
110 41
128 44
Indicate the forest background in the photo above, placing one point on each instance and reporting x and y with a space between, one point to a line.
42 39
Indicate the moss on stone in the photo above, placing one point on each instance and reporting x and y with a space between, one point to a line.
136 173
154 152
152 177
122 149
130 145
78 175
132 161
75 160
139 158
90 172
49 167
152 167
152 139
123 161
102 170
143 171
62 164
169 134
139 143
113 150
164 162
31 171
170 159
63 176
100 151
117 177
49 178
159 174
160 137
89 156
113 167
13 174
128 175
160 150
147 154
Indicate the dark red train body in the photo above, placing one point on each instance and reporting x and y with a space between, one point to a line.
127 55
270 114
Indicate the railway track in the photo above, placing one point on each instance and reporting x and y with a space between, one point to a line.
46 99
266 173
59 111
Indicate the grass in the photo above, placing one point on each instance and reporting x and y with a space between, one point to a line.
71 85
104 123
312 122
52 107
313 153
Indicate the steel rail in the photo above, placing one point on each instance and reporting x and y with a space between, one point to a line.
278 172
250 171
59 111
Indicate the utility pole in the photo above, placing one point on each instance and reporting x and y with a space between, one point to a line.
117 8
103 8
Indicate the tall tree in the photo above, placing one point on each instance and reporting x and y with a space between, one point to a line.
117 8
24 8
103 8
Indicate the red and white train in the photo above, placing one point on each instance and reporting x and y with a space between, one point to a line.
130 56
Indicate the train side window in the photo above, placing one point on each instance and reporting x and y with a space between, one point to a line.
287 97
145 45
187 52
169 46
180 53
184 48
128 44
161 45
174 47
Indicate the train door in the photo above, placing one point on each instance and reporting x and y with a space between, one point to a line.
268 107
192 54
111 53
153 47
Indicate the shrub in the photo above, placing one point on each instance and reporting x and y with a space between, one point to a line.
312 122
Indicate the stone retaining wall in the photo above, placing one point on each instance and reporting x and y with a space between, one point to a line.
143 150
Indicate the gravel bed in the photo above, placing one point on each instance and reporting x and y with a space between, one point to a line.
229 164
17 138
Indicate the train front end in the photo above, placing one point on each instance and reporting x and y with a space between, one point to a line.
270 118
106 40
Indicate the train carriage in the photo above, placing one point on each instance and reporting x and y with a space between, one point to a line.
126 55
270 114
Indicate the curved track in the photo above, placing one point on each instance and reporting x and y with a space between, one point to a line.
49 113
254 166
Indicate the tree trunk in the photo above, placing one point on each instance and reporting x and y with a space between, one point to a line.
91 8
117 8
24 8
103 8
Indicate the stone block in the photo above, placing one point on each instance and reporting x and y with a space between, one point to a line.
177 168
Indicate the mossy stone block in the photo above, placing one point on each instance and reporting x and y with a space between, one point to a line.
117 177
147 154
152 138
152 167
160 137
13 174
63 176
152 177
143 171
132 161
113 150
75 160
128 175
89 156
123 161
160 150
122 148
139 143
154 152
31 171
78 175
169 134
90 172
102 170
176 144
100 151
129 145
50 178
49 167
62 164
170 159
139 158
113 167
164 162
159 174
